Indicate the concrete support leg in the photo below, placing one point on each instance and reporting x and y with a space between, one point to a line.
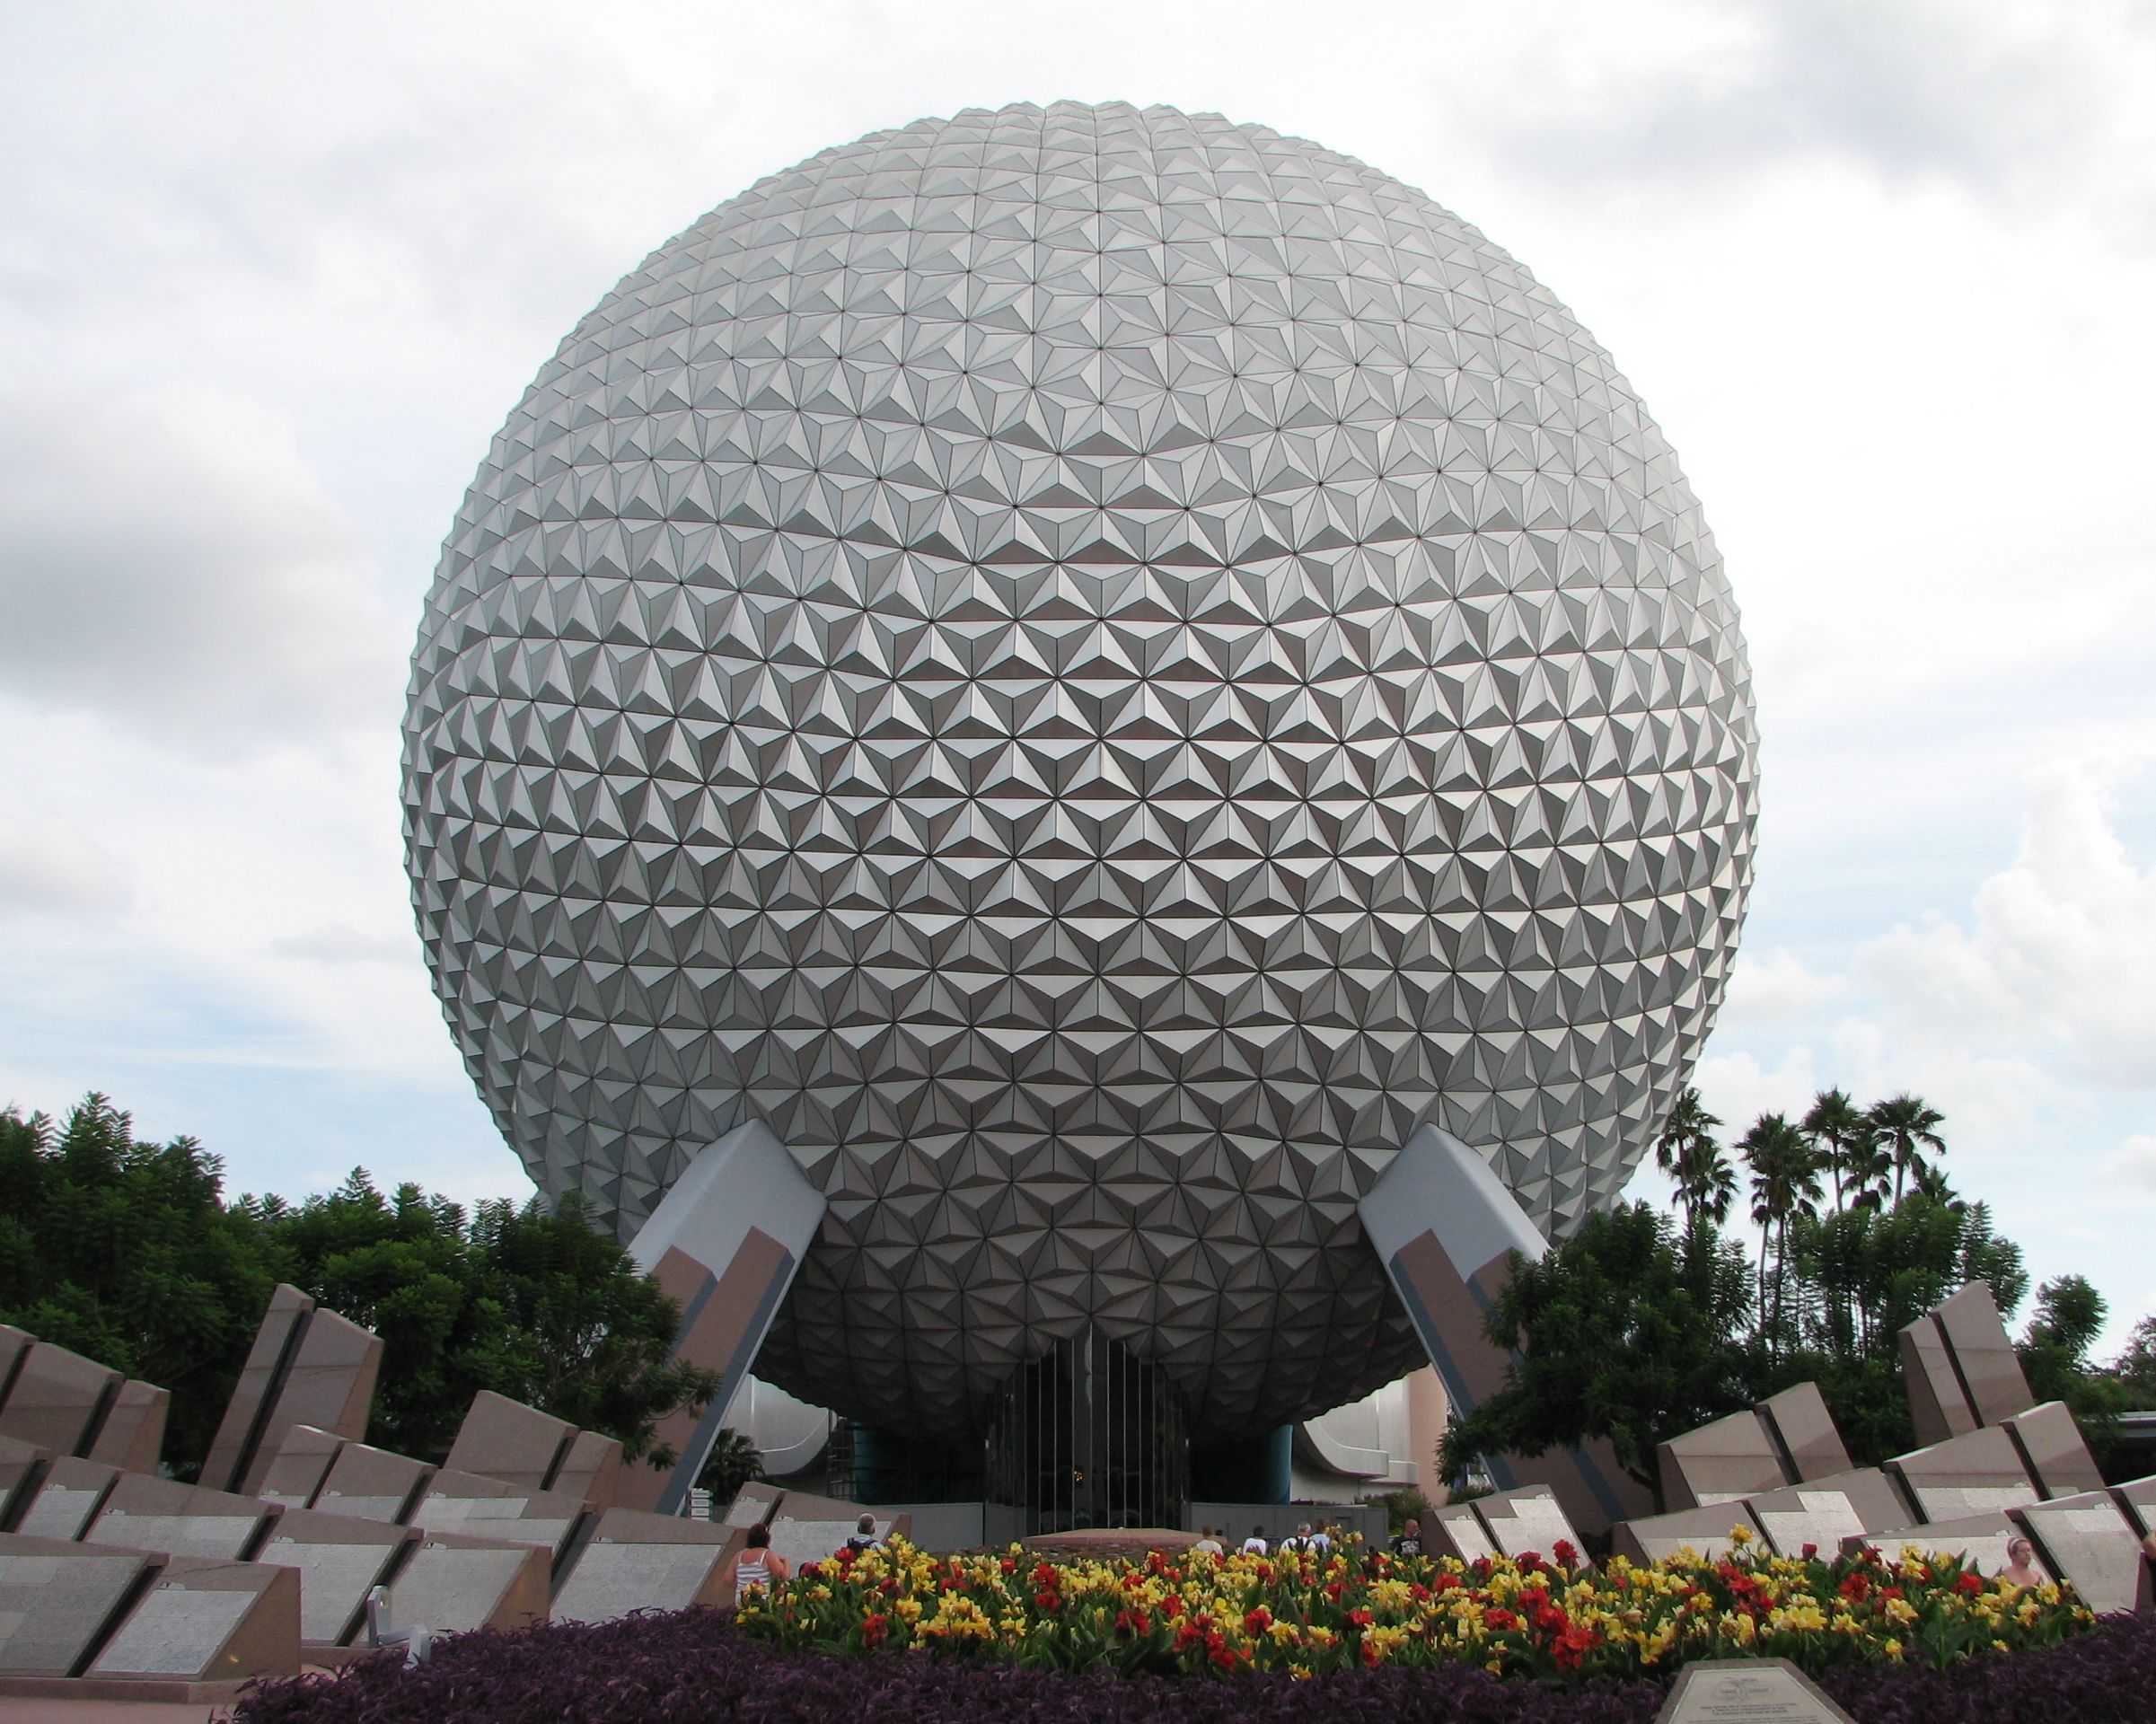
724 1242
1445 1226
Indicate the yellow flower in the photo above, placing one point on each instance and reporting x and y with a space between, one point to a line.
1740 1537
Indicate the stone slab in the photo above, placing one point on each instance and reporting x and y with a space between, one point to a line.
2053 1450
1983 1356
142 1513
372 1483
69 1497
1747 1691
1979 1540
23 1468
132 1437
14 1343
2136 1500
592 1469
1529 1519
1805 1429
59 1600
755 1504
634 1561
301 1467
2087 1540
1706 1532
464 1502
1454 1529
802 1538
340 1558
1975 1471
505 1440
1826 1511
1938 1408
58 1399
329 1383
452 1583
247 1412
1733 1457
209 1622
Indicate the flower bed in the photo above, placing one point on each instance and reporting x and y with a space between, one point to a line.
694 1667
1310 1614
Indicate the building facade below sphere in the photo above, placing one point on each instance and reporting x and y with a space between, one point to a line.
1094 670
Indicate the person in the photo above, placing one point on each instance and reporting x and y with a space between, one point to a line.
1408 1540
1255 1546
863 1536
1320 1539
1298 1541
755 1564
2020 1568
1208 1539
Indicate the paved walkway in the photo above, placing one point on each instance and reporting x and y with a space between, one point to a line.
111 1711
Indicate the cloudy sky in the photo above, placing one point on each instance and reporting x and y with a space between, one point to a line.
271 275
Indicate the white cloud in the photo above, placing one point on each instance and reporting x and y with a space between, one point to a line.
52 865
339 943
2133 1166
2060 953
1763 994
169 560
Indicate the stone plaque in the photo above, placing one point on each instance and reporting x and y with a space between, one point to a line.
74 1491
1719 1462
21 1470
2085 1539
1843 1506
464 1502
1980 1541
1799 1419
1747 1691
503 1439
611 1580
1938 1408
2137 1499
132 1437
340 1559
1964 1475
205 1622
1707 1533
58 1599
451 1584
1456 1530
372 1483
58 1399
147 1514
1531 1520
304 1460
755 1504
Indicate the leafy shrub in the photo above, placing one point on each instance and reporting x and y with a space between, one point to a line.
692 1668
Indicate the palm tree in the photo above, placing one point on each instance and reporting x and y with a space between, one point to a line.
1841 1129
1903 1123
1687 1151
1785 1184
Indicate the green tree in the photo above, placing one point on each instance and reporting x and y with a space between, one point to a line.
1785 1184
1628 1331
537 1306
1839 1129
732 1463
1906 1125
1686 1149
121 1251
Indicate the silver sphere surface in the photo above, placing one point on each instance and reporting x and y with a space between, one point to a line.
1093 667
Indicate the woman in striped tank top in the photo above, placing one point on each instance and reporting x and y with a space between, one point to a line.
755 1564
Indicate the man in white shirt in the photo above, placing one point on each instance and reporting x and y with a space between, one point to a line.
1255 1546
1208 1541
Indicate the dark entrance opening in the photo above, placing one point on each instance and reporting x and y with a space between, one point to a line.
1089 1436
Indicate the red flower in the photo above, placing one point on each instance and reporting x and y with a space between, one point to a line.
1420 1593
1574 1645
1440 1583
1334 1592
1855 1589
1500 1619
1257 1621
1968 1585
875 1629
1567 1557
1186 1635
1811 1553
1360 1618
1010 1565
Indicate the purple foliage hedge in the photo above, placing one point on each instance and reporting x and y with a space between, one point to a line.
693 1668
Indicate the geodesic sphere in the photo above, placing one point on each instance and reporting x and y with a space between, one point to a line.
1094 668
